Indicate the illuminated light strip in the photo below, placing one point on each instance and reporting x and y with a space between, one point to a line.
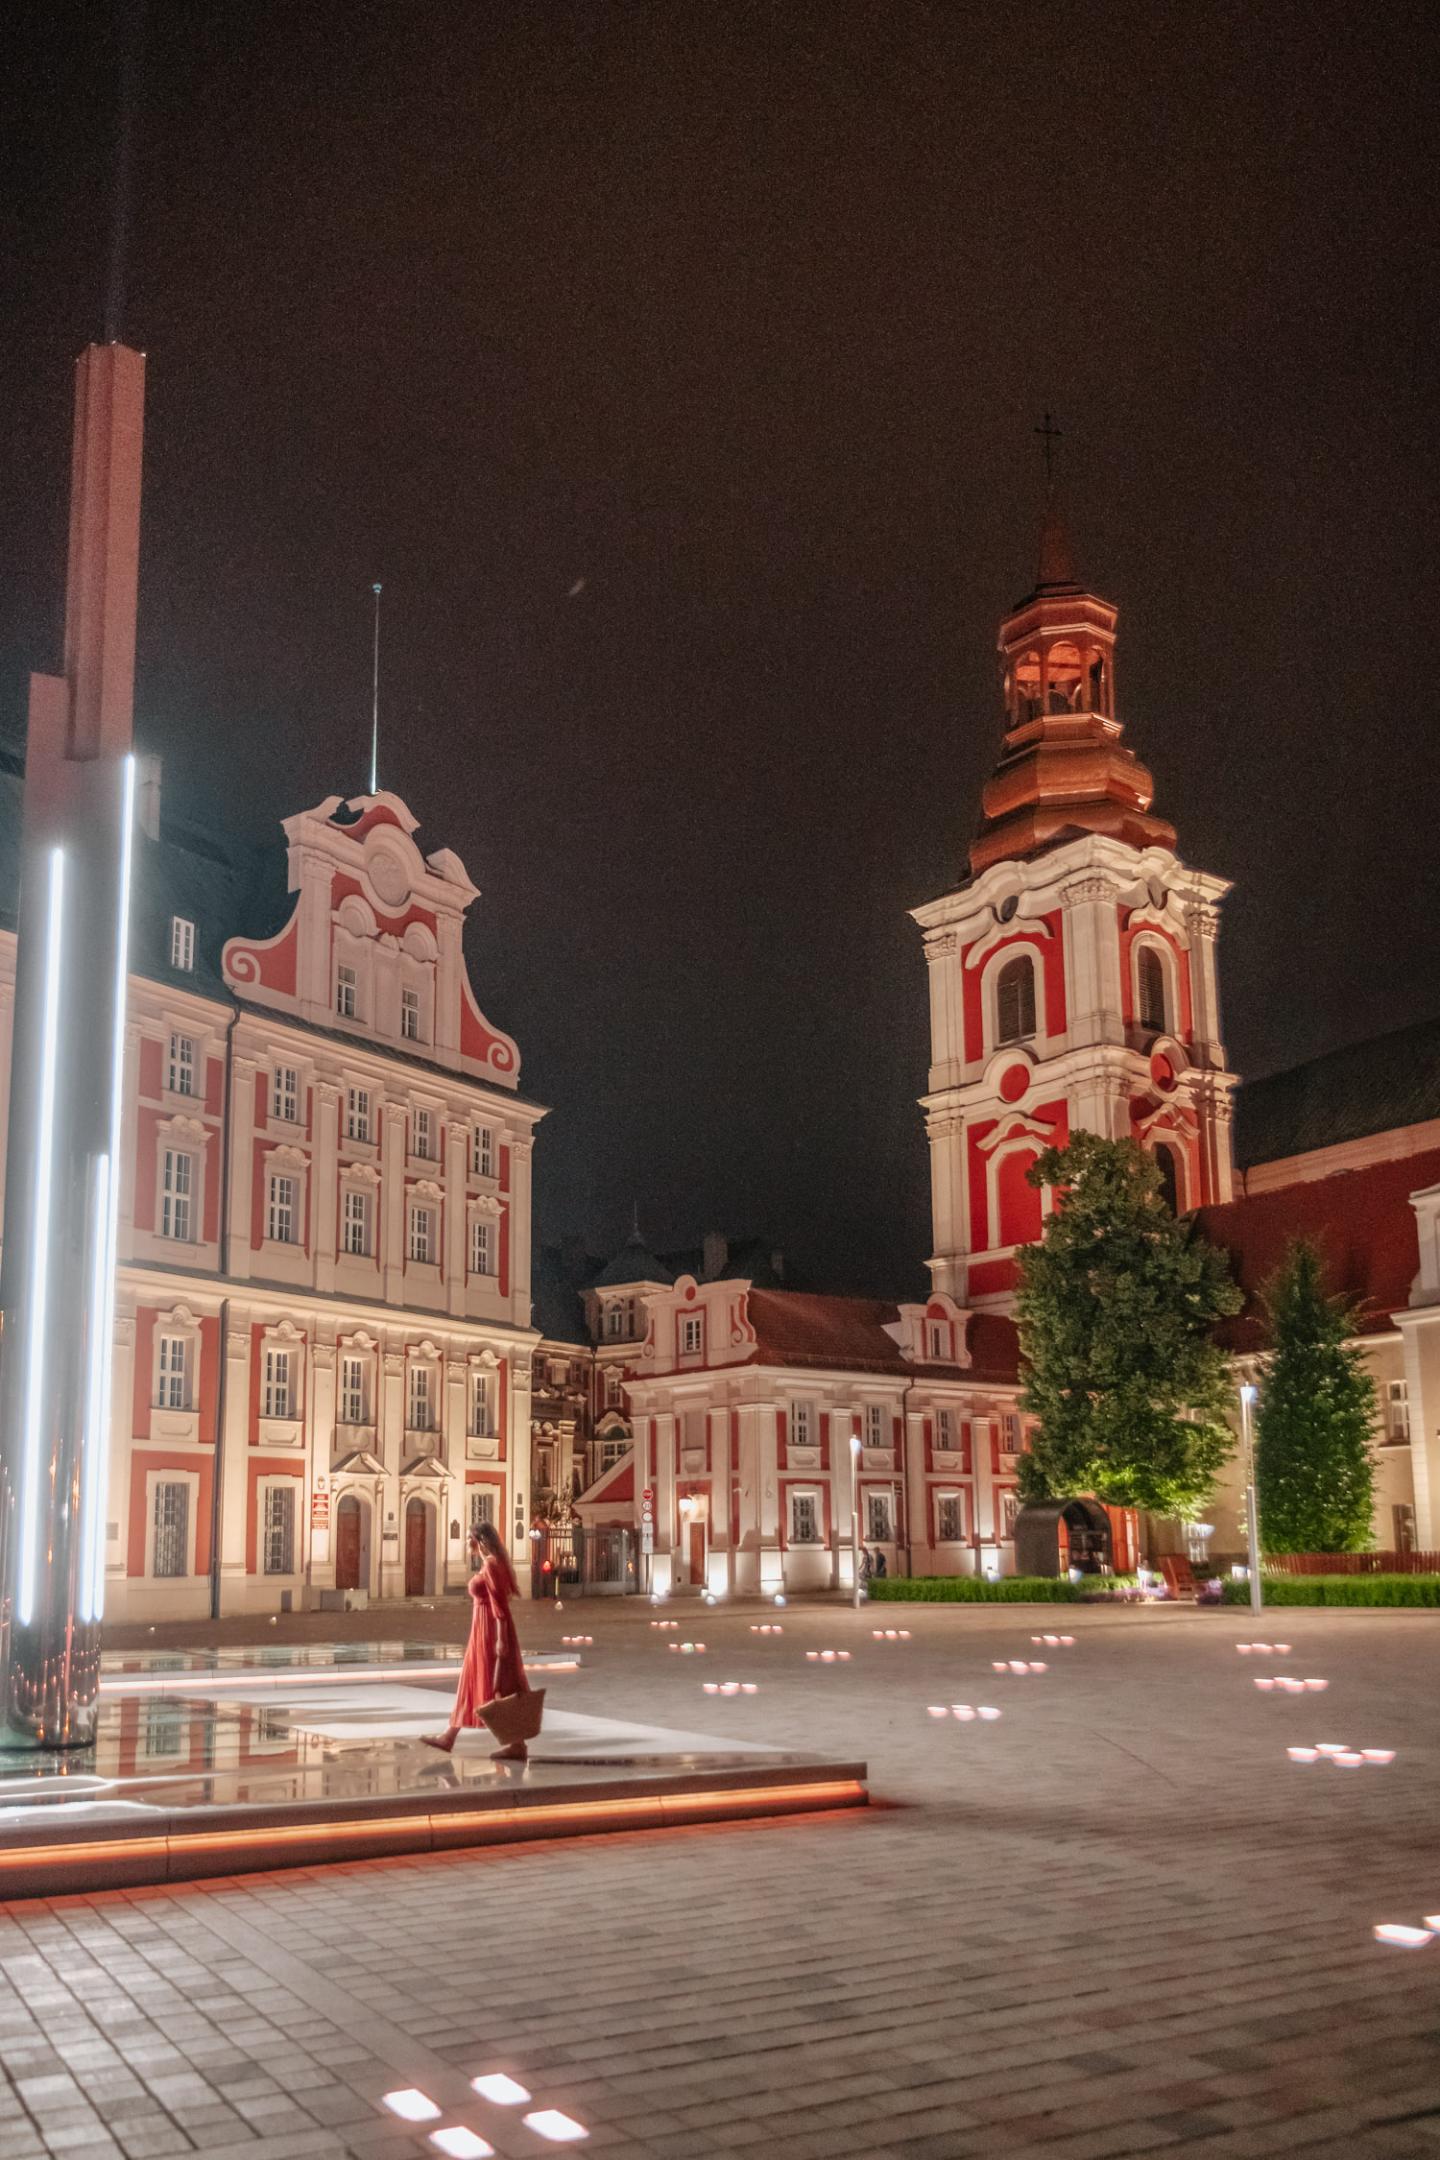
648 1808
276 1677
97 1406
30 1474
96 1457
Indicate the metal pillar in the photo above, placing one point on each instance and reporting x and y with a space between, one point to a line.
57 1287
1252 1521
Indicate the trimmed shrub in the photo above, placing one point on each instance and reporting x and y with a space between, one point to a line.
975 1590
1341 1590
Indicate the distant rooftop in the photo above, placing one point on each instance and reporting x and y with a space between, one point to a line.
1368 1087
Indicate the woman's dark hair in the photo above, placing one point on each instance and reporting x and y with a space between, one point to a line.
487 1537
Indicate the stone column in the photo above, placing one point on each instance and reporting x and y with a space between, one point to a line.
233 1484
392 1226
325 1183
237 1158
521 1148
390 1447
122 1431
518 1459
320 1439
455 1147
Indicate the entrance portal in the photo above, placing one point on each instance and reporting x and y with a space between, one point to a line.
347 1543
1052 1536
417 1540
697 1555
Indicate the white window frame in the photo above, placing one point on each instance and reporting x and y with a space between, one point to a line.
423 1127
420 1392
353 1389
282 1208
482 1422
947 1433
801 1426
347 990
422 1233
1007 1507
1397 1412
182 1065
265 1487
285 1095
409 1013
359 1113
182 944
482 1245
179 1194
357 1218
481 1503
692 1334
879 1496
279 1374
1151 941
482 1151
1004 957
174 1375
873 1431
808 1495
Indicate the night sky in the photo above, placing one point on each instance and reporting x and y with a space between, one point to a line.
739 319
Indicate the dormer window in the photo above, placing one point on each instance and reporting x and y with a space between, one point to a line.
615 1321
410 1015
1150 983
347 986
691 1335
182 944
1015 1000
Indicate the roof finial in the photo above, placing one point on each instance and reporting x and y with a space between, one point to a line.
375 701
1049 435
635 1222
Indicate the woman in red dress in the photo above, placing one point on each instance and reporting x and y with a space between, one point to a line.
492 1665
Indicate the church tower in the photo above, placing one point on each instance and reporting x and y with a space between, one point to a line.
1072 973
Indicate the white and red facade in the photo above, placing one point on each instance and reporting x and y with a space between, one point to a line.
323 1317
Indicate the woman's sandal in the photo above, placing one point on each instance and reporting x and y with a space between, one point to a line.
445 1742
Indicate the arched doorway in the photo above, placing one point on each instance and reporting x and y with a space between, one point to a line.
351 1559
417 1548
1169 1170
1052 1536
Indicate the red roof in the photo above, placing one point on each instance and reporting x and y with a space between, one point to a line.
800 1327
1362 1221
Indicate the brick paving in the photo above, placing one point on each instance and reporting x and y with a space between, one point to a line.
1117 1921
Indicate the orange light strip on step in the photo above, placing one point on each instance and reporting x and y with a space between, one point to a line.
836 1792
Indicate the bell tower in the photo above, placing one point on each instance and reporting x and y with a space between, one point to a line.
1072 972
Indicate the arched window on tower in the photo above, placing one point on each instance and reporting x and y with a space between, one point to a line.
1169 1169
1150 984
1027 688
1015 1000
1065 677
1098 692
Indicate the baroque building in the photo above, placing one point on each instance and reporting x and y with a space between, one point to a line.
323 1310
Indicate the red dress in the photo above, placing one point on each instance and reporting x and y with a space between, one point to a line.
492 1663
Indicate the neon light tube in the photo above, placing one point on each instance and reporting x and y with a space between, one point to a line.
32 1436
96 1473
96 1392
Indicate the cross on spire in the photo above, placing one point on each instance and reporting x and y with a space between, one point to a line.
1049 435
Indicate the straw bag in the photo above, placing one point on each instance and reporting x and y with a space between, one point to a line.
514 1717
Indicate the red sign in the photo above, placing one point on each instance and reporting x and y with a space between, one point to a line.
647 1504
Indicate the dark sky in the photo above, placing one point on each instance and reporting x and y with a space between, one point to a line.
744 314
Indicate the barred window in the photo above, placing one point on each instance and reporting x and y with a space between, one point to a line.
278 1540
171 1526
949 1519
804 1519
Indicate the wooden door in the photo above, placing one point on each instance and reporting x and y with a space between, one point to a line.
697 1554
415 1584
347 1543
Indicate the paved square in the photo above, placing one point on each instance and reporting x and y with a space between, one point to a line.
1118 1919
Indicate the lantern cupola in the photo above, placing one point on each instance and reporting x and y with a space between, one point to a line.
1063 769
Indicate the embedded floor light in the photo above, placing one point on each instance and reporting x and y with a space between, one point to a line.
504 2091
550 2123
410 2104
461 2144
1404 1938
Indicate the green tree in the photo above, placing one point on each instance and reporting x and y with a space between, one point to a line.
1314 1471
1116 1307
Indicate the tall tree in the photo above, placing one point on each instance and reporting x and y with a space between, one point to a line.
1314 1470
1116 1307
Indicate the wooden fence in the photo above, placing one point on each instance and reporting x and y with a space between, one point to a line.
1351 1563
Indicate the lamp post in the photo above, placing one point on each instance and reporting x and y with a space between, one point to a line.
855 1519
1252 1524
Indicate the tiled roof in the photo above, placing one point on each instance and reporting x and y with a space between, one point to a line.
1362 1221
634 1263
1368 1087
557 1295
801 1327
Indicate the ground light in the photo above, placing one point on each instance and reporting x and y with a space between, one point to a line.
410 2104
550 2123
504 2091
461 2144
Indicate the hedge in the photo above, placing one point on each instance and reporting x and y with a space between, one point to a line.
975 1590
1340 1590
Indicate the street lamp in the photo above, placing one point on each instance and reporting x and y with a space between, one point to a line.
1252 1525
855 1519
